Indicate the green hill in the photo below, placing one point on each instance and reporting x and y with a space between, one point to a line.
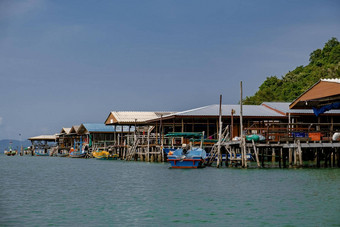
323 64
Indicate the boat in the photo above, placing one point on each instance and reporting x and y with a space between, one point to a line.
77 154
62 153
10 152
41 152
104 155
191 159
185 158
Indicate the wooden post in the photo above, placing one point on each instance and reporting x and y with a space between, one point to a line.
284 157
208 129
300 153
162 140
219 155
273 157
262 157
295 155
232 124
182 138
318 158
147 157
290 157
256 151
338 157
243 152
226 157
280 158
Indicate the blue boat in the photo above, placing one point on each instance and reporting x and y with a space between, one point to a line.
192 159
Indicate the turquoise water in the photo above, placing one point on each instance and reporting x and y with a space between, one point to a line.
42 191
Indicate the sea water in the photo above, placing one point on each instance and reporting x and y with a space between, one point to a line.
52 191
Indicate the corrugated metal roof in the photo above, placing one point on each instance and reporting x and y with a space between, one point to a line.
44 137
94 127
213 110
284 107
331 80
136 116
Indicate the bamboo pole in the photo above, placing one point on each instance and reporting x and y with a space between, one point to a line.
243 151
219 156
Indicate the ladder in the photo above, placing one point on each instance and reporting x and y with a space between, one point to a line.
214 150
132 150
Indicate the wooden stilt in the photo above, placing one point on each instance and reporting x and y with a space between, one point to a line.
244 155
295 156
262 157
256 152
300 154
284 158
273 157
338 157
318 158
290 157
280 158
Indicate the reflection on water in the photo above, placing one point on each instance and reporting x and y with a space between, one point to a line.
63 191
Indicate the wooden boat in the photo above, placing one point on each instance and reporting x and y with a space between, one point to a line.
104 155
62 153
192 159
10 152
43 152
77 154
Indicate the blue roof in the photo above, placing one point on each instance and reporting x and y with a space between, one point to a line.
106 128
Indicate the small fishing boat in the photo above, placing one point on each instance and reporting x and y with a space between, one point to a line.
104 155
191 159
62 153
41 152
10 152
77 154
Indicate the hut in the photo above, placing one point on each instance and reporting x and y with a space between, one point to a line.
99 135
44 145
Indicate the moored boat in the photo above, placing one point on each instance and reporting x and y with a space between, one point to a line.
191 159
104 155
10 152
77 154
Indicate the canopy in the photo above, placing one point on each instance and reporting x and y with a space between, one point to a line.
184 134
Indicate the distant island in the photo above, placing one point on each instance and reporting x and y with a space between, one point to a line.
323 64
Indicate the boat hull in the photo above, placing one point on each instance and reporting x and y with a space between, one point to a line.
77 155
186 163
38 154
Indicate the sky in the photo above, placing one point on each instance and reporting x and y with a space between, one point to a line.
64 63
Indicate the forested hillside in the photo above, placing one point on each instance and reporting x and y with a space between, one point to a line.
323 64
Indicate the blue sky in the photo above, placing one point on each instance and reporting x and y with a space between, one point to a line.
64 63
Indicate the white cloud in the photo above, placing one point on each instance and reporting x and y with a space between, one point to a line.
0 120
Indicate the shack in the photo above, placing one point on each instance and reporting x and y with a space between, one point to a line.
44 145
